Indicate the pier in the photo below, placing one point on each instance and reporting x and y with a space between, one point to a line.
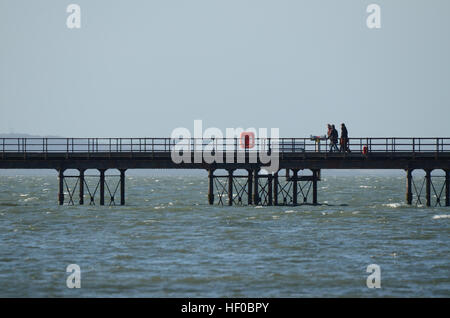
238 177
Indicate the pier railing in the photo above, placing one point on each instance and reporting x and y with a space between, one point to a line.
282 145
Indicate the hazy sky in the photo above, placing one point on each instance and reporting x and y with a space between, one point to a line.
143 68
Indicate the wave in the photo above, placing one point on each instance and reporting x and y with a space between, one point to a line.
393 205
441 216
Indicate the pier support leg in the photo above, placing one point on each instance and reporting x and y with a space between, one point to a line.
409 186
102 186
269 189
61 186
275 188
81 180
447 187
294 186
428 186
122 186
314 185
211 186
255 187
230 187
250 187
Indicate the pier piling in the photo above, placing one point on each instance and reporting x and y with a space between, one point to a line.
122 186
102 186
409 194
294 186
61 186
269 189
314 187
255 187
275 188
211 186
230 187
428 186
447 187
81 180
250 187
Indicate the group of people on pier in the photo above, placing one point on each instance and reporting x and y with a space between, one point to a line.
333 136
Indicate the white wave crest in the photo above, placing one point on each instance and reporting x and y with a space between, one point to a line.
393 205
441 216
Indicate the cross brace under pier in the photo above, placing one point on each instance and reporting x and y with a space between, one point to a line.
255 188
434 191
101 186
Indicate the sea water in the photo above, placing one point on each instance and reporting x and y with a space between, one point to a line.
168 242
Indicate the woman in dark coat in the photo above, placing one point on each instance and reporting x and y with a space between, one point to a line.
344 139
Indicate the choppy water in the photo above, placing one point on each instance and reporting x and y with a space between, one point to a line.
167 242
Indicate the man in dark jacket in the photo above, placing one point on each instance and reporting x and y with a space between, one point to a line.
333 139
344 139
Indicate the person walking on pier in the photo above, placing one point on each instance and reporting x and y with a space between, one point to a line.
329 132
332 135
344 139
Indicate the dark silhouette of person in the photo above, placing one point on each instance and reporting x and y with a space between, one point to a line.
344 139
332 135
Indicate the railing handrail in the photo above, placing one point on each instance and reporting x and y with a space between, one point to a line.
160 144
137 138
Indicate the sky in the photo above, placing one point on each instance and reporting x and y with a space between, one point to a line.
143 68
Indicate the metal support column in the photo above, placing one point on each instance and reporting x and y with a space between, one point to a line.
409 194
81 197
211 186
275 188
294 186
428 186
61 186
122 186
230 187
102 186
314 185
255 187
447 187
269 189
250 187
